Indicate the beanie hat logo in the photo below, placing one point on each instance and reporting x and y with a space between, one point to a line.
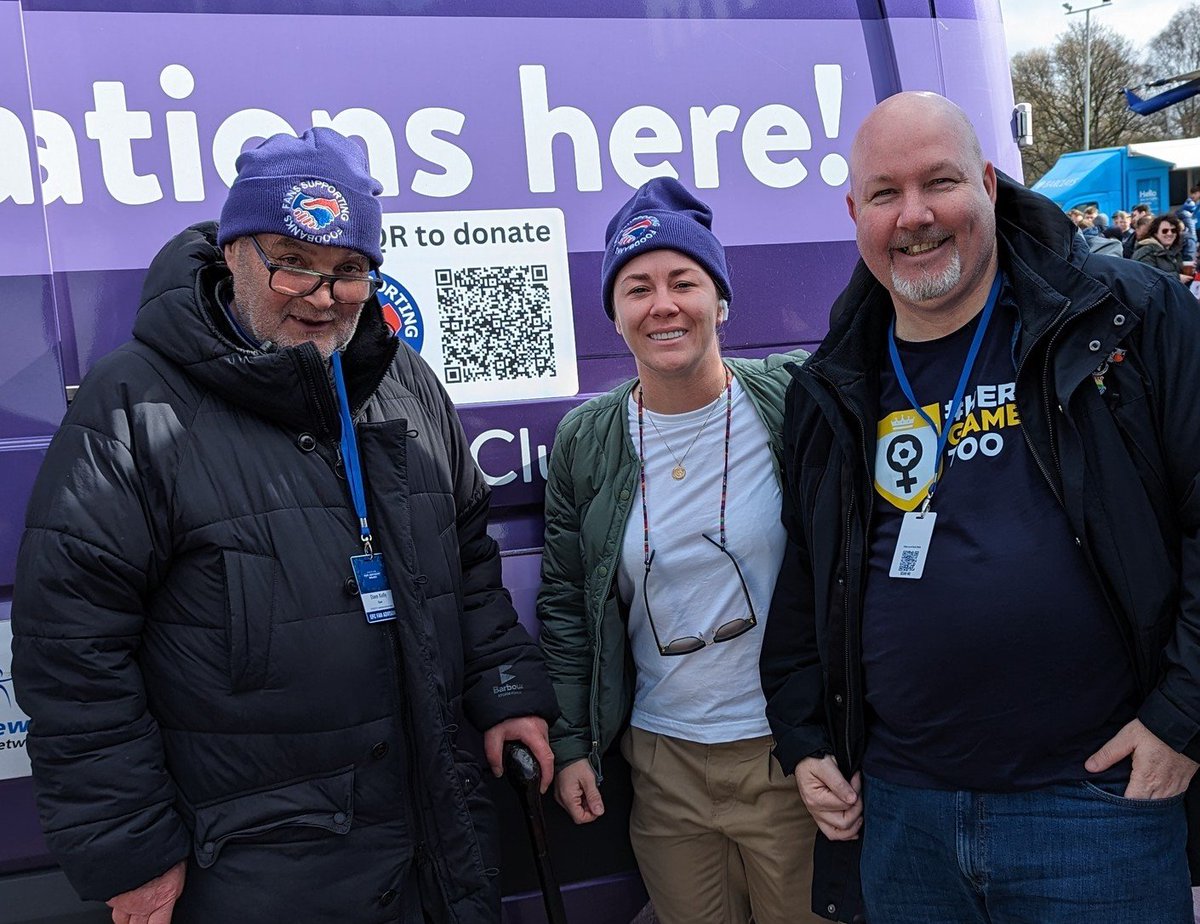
314 188
637 232
662 215
311 208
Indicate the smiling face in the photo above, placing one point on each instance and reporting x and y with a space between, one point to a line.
1166 233
287 320
666 310
922 199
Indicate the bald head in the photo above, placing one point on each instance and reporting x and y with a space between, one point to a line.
892 122
922 198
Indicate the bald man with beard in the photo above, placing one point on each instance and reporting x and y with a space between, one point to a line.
979 662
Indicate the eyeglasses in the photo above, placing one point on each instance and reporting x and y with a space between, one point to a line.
1167 231
725 632
296 282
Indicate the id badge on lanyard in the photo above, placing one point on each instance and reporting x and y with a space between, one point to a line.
369 572
373 587
916 529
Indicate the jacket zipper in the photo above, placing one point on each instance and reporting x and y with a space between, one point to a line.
421 852
593 692
320 389
1047 410
850 679
1057 327
594 687
862 442
846 628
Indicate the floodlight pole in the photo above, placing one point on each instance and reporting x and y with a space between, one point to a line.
1087 66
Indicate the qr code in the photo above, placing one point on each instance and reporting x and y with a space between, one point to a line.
908 561
496 323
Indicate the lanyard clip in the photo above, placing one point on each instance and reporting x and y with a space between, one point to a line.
366 536
925 504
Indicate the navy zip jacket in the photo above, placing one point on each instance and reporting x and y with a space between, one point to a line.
1123 465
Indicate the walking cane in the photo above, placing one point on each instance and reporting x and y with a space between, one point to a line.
523 773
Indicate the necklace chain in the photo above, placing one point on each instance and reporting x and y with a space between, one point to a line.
679 472
642 467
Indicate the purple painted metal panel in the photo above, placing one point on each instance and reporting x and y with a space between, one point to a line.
539 9
942 9
31 395
522 578
31 400
97 308
19 464
20 214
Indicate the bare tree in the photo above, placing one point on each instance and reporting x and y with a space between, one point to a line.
1176 50
1052 80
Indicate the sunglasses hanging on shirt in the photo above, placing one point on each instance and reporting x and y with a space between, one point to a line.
733 628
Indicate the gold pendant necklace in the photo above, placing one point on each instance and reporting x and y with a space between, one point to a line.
679 472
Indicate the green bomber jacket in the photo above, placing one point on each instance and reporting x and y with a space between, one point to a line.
590 488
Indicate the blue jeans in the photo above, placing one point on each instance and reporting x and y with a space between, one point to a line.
1075 853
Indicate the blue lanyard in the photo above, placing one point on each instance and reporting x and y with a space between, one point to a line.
350 453
972 354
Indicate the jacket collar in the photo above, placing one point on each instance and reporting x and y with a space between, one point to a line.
181 318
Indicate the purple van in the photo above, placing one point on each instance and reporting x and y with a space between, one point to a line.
505 133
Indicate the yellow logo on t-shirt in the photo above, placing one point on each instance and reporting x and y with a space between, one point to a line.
905 448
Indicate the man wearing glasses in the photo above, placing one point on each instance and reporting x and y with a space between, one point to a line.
256 605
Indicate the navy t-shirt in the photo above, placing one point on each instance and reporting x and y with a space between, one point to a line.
1002 668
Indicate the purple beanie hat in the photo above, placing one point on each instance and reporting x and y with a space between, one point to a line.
315 188
662 215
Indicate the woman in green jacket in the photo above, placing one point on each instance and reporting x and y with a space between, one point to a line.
1162 245
663 543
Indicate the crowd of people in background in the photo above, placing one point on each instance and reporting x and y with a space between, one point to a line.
1166 242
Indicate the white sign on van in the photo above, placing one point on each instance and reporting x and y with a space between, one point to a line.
485 298
14 724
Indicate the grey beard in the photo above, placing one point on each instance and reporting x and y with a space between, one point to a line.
929 287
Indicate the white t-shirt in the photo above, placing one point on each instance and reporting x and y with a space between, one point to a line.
712 695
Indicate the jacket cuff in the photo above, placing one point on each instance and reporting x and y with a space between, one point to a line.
512 690
568 752
798 744
1168 722
109 858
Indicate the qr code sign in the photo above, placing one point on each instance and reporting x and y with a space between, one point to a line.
496 323
908 561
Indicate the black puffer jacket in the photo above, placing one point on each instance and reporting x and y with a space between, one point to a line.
1124 465
201 678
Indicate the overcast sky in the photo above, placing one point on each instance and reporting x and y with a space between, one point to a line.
1035 23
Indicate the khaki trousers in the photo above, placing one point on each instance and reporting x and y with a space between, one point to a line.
719 832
